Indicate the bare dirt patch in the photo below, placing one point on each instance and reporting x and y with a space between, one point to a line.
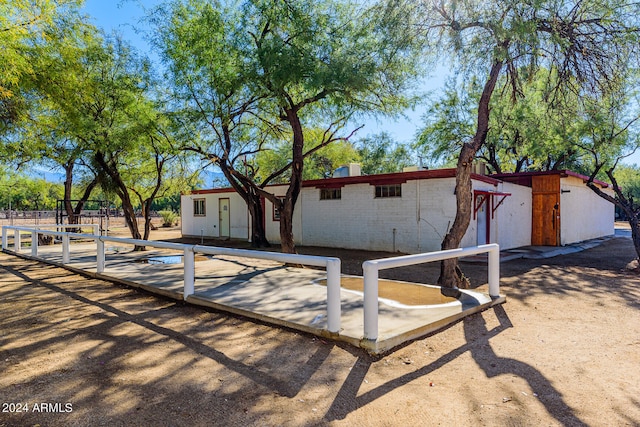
563 350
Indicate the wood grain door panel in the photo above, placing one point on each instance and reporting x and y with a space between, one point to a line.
545 226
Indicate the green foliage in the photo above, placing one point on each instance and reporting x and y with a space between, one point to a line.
249 76
319 164
448 123
381 154
30 31
169 218
376 154
28 193
531 132
628 178
24 25
167 203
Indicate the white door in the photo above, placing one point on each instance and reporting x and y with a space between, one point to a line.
482 216
224 218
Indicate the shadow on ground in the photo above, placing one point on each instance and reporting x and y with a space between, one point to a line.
122 357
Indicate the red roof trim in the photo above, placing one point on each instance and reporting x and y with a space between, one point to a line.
380 179
585 178
329 185
210 191
562 172
392 178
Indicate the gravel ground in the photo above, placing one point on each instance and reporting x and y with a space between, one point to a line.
564 350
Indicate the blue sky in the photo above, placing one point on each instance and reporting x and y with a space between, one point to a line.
124 16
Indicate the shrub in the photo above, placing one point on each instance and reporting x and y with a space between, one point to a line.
169 218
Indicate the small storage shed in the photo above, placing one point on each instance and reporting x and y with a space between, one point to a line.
564 209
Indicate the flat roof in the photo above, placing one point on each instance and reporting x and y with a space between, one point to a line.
562 172
379 179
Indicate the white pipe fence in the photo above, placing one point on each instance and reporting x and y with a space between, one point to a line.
332 265
371 268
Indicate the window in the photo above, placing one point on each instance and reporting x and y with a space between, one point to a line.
394 190
199 207
330 193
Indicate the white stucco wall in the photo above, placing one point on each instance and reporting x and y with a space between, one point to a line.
272 227
583 214
208 225
513 216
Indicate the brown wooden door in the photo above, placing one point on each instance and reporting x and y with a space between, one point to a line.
545 226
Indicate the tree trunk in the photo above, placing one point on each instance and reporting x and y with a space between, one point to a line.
258 234
73 213
123 193
634 222
287 244
450 274
146 214
130 218
68 186
631 211
247 190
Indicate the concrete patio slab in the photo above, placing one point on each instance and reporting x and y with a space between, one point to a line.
268 291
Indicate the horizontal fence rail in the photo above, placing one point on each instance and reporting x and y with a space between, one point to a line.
332 265
371 268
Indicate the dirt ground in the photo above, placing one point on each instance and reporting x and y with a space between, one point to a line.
564 350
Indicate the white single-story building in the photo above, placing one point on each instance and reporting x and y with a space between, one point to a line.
410 212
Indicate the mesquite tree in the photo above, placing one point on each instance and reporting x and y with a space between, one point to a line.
584 43
260 71
610 128
525 133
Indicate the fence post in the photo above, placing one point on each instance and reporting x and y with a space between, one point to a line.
5 242
370 272
189 272
333 295
16 240
34 243
99 256
65 248
494 272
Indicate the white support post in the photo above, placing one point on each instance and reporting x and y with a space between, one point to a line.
370 272
16 241
65 249
494 272
100 258
34 244
5 242
189 272
333 295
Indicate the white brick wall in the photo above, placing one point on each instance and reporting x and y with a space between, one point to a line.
415 222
